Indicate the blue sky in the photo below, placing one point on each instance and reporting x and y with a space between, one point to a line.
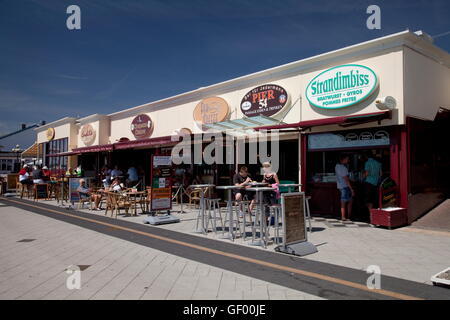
132 52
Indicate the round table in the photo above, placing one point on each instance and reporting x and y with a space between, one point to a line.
262 217
229 189
202 209
256 184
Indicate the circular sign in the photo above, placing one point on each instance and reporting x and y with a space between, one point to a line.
142 126
341 86
87 134
50 134
265 100
365 136
382 135
351 137
211 110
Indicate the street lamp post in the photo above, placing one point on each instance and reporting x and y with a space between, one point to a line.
17 151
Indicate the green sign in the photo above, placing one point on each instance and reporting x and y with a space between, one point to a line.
341 86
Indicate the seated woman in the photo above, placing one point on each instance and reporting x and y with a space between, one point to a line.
86 193
270 177
241 179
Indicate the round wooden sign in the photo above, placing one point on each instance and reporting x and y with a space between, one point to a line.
142 126
211 110
87 134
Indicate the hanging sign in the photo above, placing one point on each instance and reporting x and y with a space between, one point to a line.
87 134
211 110
142 126
266 100
341 86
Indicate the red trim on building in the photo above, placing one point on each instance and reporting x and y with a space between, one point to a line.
303 163
342 121
63 154
153 142
101 148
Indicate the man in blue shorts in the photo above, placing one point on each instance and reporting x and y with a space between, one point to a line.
345 187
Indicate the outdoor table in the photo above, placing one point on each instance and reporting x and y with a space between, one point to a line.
136 195
256 184
290 186
230 235
202 209
262 218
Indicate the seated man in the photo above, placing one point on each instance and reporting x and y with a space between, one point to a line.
241 179
86 193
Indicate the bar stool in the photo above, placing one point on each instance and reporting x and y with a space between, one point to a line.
256 225
243 209
308 213
213 206
234 224
275 212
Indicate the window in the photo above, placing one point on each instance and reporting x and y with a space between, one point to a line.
55 163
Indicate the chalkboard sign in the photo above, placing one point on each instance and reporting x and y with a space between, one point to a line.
40 191
293 210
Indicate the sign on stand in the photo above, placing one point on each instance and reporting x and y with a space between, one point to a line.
295 236
161 183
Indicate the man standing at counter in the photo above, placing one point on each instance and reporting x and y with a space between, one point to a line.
372 174
345 187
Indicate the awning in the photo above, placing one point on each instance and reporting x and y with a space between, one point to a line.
244 123
152 142
100 148
244 126
344 121
31 152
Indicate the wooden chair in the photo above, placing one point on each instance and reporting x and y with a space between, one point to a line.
110 203
83 200
117 201
194 197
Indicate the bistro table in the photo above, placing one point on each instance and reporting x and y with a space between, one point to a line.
262 218
202 209
256 184
230 235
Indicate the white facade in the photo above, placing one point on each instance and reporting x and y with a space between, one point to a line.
409 68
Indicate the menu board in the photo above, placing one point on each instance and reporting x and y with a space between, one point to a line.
162 173
293 209
388 193
40 191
